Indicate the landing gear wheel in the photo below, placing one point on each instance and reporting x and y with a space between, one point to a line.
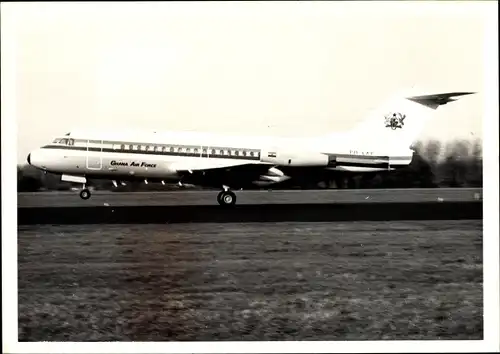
226 198
85 194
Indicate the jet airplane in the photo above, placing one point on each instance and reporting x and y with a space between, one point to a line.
381 142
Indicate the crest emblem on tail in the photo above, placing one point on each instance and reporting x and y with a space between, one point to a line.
394 120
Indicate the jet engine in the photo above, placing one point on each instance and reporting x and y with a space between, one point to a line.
294 158
274 175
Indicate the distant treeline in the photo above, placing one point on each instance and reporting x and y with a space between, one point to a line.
434 165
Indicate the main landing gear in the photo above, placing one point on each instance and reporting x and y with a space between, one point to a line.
226 198
85 193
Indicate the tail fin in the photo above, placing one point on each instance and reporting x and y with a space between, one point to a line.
397 124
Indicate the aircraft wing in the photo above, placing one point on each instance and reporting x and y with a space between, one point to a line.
232 174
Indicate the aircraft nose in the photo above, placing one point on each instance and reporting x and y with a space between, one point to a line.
35 159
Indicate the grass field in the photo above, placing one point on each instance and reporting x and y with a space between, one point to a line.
286 281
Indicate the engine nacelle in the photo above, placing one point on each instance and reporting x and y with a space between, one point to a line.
293 158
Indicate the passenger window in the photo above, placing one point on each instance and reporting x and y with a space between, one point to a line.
123 147
171 149
195 151
71 142
236 152
221 152
251 153
179 149
188 150
244 153
204 151
213 151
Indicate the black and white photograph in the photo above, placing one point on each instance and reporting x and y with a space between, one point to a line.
317 176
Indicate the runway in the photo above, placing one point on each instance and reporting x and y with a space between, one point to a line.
177 198
254 206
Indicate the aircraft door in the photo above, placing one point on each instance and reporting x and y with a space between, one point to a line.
94 154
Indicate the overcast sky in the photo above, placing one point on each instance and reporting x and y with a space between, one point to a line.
248 68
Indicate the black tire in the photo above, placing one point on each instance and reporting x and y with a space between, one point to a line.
226 198
85 194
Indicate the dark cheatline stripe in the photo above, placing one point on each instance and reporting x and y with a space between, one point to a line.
361 157
368 157
154 153
393 158
360 164
332 162
398 165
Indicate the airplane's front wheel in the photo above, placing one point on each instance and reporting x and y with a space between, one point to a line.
85 194
226 198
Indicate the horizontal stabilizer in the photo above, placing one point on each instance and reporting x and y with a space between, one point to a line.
434 101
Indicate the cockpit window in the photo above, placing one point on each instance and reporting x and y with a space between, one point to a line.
64 141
